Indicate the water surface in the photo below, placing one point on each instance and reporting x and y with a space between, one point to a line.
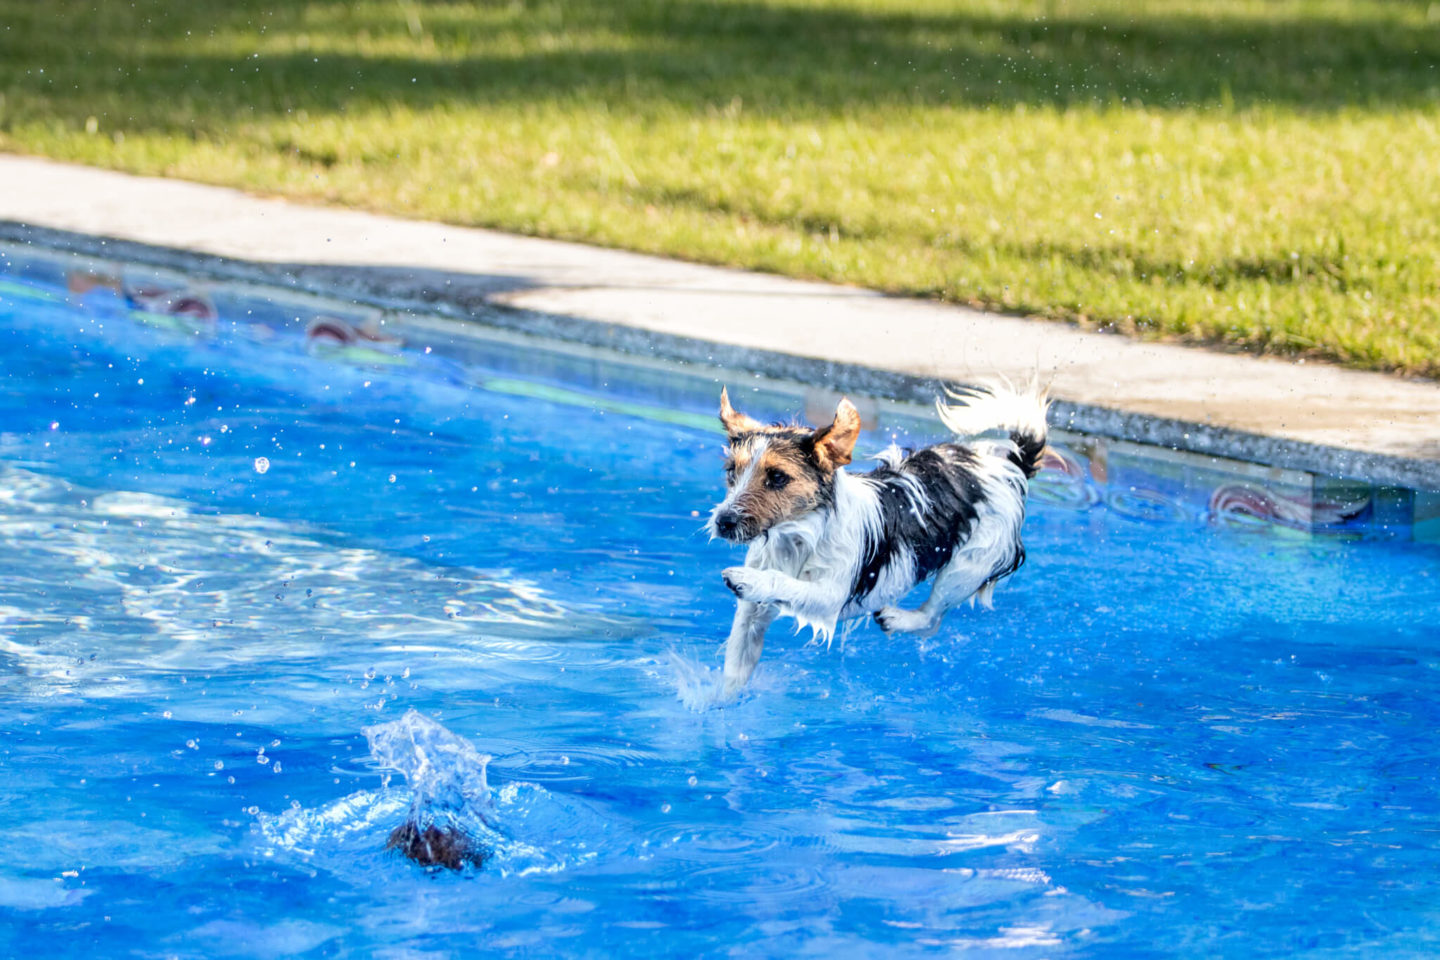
1166 739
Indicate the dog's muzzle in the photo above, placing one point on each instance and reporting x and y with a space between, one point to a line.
727 524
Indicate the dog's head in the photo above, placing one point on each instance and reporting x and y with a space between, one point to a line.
776 473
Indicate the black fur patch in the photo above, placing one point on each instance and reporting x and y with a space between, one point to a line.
946 473
1031 448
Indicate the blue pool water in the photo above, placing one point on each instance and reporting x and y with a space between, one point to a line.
1167 739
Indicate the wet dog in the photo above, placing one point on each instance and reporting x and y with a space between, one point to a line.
827 545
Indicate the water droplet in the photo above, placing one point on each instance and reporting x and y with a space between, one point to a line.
167 714
664 808
219 764
262 464
693 780
392 478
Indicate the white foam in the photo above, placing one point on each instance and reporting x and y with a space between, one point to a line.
697 686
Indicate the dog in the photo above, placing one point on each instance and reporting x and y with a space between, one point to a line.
826 545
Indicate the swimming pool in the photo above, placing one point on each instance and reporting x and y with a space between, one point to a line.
231 545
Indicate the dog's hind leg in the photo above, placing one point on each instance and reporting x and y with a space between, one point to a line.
921 620
746 641
955 583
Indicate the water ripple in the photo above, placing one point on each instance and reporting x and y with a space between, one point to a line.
172 590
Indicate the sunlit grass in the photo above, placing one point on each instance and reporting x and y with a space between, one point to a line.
1263 173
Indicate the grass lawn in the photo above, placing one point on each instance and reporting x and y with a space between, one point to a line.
1262 173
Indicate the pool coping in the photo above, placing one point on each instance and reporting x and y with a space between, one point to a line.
1281 413
480 303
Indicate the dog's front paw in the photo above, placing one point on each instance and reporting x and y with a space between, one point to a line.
738 580
752 584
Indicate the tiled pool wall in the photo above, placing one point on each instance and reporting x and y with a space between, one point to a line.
1081 472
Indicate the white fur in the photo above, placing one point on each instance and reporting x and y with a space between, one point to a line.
995 406
806 566
742 482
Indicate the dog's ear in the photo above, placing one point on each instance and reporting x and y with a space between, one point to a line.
735 422
834 444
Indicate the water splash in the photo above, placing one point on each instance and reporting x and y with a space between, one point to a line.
447 813
697 686
350 823
451 814
701 688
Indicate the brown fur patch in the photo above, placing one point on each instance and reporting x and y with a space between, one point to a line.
759 504
733 420
806 458
836 443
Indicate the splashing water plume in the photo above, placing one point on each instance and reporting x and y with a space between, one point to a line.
697 686
451 805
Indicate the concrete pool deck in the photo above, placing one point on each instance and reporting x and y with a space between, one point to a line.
1284 413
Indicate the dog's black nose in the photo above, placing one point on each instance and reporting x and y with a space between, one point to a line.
726 524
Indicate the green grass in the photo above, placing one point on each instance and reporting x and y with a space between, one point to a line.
1260 173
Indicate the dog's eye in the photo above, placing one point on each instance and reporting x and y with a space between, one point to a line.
776 479
730 473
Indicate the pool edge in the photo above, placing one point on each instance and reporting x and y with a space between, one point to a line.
478 302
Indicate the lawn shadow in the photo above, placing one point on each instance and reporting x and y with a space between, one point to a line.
646 56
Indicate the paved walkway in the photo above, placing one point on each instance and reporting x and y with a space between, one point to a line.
1307 402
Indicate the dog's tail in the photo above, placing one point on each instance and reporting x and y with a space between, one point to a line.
1000 406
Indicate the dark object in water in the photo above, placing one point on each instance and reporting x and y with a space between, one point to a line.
451 800
431 846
